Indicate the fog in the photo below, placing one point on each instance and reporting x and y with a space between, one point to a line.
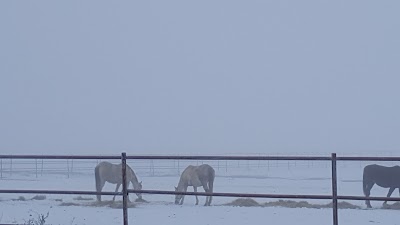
199 77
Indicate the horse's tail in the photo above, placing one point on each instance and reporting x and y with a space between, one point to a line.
211 179
98 181
365 182
211 176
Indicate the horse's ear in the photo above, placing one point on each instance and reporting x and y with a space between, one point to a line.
176 189
140 182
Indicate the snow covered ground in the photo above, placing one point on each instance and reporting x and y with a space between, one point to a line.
161 210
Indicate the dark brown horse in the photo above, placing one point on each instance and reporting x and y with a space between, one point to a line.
386 177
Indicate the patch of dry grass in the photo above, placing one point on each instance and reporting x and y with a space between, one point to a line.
100 204
289 204
141 200
69 204
243 202
80 198
119 205
111 204
248 202
344 205
395 205
20 198
305 204
39 197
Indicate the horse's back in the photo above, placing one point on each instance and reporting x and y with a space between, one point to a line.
109 172
206 171
193 175
382 175
379 169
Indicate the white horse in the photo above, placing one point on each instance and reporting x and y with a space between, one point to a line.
112 173
196 176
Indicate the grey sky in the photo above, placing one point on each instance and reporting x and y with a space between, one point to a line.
199 76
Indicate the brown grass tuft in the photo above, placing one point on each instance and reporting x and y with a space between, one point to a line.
69 204
395 205
243 202
20 198
288 204
111 204
118 205
344 205
39 197
305 204
80 198
141 200
248 202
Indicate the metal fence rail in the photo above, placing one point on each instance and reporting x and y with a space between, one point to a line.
333 159
163 167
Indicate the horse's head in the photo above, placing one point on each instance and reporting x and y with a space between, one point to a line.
138 187
177 197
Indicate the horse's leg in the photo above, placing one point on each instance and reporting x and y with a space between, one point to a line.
183 196
206 189
197 199
211 190
389 193
99 188
116 189
367 192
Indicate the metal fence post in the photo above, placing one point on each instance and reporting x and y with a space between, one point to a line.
36 168
11 167
334 191
72 165
41 169
179 170
151 168
124 190
68 168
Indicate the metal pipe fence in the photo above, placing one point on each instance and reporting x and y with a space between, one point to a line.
333 159
161 167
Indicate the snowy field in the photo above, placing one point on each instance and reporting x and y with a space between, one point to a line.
253 178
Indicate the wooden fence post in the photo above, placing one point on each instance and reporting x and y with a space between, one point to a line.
124 190
334 191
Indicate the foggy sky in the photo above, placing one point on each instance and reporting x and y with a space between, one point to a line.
199 77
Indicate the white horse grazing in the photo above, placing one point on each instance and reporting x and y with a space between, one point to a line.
196 176
112 173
